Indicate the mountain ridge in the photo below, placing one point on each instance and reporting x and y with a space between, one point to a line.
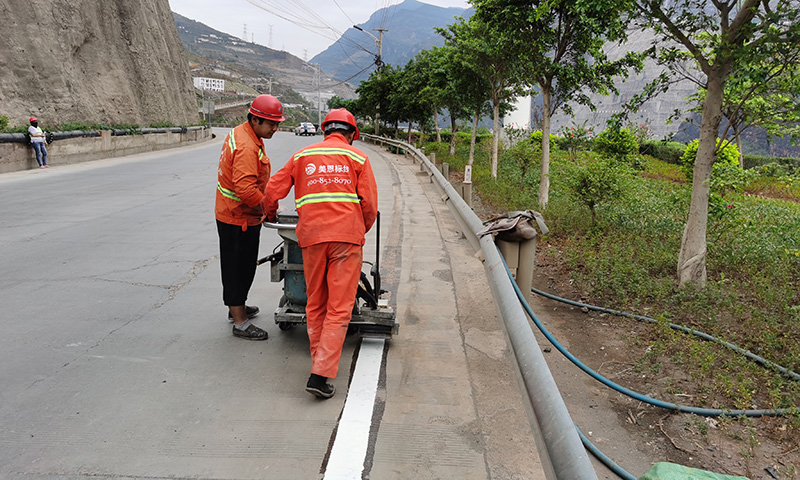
410 29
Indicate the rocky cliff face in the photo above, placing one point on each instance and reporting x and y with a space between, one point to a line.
93 61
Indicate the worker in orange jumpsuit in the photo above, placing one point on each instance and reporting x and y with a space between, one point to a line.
243 173
337 203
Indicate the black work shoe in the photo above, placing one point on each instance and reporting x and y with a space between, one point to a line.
251 312
319 386
250 333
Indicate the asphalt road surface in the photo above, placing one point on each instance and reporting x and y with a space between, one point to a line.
117 360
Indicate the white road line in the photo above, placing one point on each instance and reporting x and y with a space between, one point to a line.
346 461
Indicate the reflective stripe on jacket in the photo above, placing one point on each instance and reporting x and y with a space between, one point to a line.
242 175
334 190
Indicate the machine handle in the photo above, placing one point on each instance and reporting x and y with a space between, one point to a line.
280 226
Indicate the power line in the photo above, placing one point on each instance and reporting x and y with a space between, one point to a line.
342 10
313 22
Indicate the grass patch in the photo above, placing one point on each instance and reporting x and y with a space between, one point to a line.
626 259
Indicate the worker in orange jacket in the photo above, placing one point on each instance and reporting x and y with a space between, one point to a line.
243 172
337 203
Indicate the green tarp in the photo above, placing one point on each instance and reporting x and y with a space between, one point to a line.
672 471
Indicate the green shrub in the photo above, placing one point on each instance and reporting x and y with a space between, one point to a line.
463 137
575 138
597 182
3 123
617 143
536 137
669 152
439 148
730 178
524 154
727 155
792 164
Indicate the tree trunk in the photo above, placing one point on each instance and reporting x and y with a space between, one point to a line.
692 257
436 124
495 134
474 136
454 130
409 132
544 183
738 134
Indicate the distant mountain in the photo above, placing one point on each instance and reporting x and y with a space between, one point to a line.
409 29
256 64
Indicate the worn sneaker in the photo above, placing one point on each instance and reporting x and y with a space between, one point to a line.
319 386
251 311
250 333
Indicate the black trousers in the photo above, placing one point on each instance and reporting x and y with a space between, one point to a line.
238 254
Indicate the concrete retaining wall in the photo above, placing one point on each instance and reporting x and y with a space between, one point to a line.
20 156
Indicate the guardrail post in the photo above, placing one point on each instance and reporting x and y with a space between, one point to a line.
446 170
521 259
466 193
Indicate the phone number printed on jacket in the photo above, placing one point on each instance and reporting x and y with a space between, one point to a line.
329 181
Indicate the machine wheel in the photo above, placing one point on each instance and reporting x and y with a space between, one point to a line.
285 325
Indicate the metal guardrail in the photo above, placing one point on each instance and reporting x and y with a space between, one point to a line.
562 453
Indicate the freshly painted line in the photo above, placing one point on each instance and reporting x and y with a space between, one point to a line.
349 451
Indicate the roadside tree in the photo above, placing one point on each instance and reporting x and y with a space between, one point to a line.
559 47
724 38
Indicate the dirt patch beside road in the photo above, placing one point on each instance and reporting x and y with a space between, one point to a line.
634 434
631 433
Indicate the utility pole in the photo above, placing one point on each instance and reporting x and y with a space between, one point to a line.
379 63
319 96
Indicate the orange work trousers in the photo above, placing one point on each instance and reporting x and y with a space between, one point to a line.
332 272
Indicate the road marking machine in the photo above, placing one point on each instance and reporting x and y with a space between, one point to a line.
372 315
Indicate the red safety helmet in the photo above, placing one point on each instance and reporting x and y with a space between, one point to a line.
268 107
341 115
34 119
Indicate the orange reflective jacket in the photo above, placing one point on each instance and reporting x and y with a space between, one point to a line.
243 172
334 190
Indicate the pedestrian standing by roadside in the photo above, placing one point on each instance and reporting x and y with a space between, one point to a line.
38 143
244 169
337 202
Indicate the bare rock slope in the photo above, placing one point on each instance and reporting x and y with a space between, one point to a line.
93 61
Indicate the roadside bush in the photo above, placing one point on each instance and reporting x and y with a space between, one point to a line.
669 152
617 143
597 182
640 131
792 165
524 154
536 137
3 123
439 148
575 138
462 137
727 155
730 178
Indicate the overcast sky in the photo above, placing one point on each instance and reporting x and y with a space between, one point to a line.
306 28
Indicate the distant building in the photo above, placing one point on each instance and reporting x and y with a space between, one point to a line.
213 84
